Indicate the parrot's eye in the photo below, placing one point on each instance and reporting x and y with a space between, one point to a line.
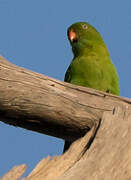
84 26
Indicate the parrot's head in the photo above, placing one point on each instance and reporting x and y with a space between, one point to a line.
84 37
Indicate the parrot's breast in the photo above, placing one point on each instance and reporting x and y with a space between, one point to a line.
94 73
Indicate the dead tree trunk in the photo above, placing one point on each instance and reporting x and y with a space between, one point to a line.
39 103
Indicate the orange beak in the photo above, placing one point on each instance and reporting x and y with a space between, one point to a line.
72 35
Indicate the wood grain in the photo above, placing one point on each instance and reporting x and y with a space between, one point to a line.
42 104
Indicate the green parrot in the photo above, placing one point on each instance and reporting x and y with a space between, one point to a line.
91 65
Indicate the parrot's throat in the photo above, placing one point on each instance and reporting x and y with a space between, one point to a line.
80 49
88 48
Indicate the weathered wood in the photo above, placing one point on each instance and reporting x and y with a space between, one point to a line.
52 168
45 105
15 173
108 158
39 103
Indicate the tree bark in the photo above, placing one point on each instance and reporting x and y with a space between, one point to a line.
39 103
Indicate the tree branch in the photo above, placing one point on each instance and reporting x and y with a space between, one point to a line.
109 157
39 103
42 104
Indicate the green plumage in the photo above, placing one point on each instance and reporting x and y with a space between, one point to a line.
91 65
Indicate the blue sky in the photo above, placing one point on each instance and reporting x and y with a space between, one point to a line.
33 35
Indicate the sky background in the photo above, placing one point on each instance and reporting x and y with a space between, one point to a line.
33 35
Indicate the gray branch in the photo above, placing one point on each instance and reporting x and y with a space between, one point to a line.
42 104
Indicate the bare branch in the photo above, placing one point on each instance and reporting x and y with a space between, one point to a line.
39 103
15 173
